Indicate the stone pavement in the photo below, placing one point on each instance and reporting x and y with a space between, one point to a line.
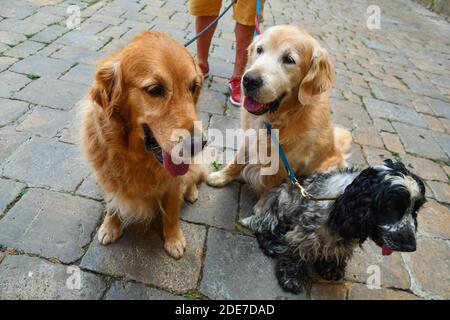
392 90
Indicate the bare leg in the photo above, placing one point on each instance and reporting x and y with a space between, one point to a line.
244 36
204 42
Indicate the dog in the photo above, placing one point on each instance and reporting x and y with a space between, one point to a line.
142 95
379 203
287 82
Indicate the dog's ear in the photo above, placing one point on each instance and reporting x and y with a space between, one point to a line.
353 212
107 89
318 79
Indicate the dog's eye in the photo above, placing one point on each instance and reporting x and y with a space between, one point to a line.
288 60
259 50
193 87
156 90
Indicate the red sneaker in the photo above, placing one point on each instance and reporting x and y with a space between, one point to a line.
235 87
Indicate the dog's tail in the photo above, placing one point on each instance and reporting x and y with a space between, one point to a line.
343 141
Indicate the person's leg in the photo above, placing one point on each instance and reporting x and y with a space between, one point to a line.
244 36
204 42
205 12
244 15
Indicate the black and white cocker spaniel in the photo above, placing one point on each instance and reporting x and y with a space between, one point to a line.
380 203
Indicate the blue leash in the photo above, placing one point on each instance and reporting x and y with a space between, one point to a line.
290 171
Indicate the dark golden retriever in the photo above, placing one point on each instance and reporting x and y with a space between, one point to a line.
142 96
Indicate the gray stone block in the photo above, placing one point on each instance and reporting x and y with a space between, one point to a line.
215 207
41 66
11 82
42 162
9 190
235 268
50 224
139 255
419 141
11 38
137 291
6 62
43 121
89 188
24 49
81 73
11 110
381 109
64 95
10 140
29 278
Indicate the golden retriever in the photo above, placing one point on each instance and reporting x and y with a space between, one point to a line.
287 82
141 97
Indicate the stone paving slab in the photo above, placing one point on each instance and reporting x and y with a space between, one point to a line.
136 291
328 291
41 66
90 189
139 255
44 122
10 140
64 95
215 207
433 220
435 283
361 292
380 109
12 82
392 271
50 224
419 141
11 110
63 171
235 268
23 277
9 190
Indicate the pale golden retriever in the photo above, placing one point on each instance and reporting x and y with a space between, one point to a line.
141 96
287 82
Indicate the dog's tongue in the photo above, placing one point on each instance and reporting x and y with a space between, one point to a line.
385 250
252 106
173 169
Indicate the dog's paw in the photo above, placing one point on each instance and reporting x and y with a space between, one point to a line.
245 222
175 246
109 232
192 195
291 276
217 179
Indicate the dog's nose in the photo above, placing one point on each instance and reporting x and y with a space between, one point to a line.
252 81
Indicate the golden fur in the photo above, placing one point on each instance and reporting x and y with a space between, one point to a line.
136 185
306 131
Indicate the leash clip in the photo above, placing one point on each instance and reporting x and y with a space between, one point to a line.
303 191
